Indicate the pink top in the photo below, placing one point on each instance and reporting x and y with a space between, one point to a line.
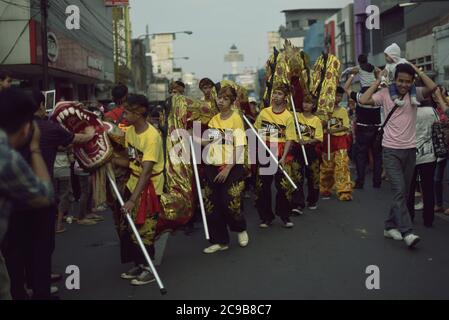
400 131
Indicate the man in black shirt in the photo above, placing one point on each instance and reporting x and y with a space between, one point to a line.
367 124
30 240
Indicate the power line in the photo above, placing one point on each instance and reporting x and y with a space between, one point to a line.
16 4
17 40
61 15
96 18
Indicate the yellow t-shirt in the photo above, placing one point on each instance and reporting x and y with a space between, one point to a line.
276 127
226 135
339 119
310 128
146 146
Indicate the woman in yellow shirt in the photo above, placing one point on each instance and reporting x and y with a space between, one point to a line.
312 135
224 169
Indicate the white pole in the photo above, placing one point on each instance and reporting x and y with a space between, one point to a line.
299 131
198 188
269 151
139 239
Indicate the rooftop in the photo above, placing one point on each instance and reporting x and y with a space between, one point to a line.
307 10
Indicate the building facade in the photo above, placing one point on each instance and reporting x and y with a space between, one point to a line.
81 63
299 21
339 36
411 26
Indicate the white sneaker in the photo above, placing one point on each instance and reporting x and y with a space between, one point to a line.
419 206
215 247
393 234
411 240
243 238
54 289
314 207
297 212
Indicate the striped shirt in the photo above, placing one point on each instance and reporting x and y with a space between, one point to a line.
18 184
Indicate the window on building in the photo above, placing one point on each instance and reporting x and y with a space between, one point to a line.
311 21
446 72
426 63
295 24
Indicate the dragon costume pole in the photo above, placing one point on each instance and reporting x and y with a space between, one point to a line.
299 130
269 151
139 239
198 188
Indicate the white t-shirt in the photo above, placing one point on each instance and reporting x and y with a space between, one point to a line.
425 152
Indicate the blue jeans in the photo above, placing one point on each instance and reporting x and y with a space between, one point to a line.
394 93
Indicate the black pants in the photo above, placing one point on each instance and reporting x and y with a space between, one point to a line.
284 190
312 173
365 137
426 173
439 178
223 204
28 247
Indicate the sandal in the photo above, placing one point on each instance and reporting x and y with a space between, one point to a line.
94 217
87 222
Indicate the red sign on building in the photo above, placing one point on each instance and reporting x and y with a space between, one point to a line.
116 3
329 37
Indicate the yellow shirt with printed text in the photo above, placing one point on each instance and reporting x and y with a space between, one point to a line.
225 135
311 128
339 119
146 146
276 127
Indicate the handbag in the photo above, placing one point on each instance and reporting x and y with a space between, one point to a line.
377 146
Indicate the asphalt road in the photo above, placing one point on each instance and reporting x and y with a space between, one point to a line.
324 256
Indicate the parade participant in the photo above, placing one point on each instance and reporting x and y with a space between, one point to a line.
206 86
177 87
119 95
399 146
336 171
145 185
277 127
312 135
224 174
5 81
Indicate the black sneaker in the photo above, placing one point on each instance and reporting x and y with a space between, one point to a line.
144 278
133 273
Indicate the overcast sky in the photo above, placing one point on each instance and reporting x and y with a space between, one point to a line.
216 25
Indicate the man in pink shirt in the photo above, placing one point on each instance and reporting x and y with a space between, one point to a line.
399 145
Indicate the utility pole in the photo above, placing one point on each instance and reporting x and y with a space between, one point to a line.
44 44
